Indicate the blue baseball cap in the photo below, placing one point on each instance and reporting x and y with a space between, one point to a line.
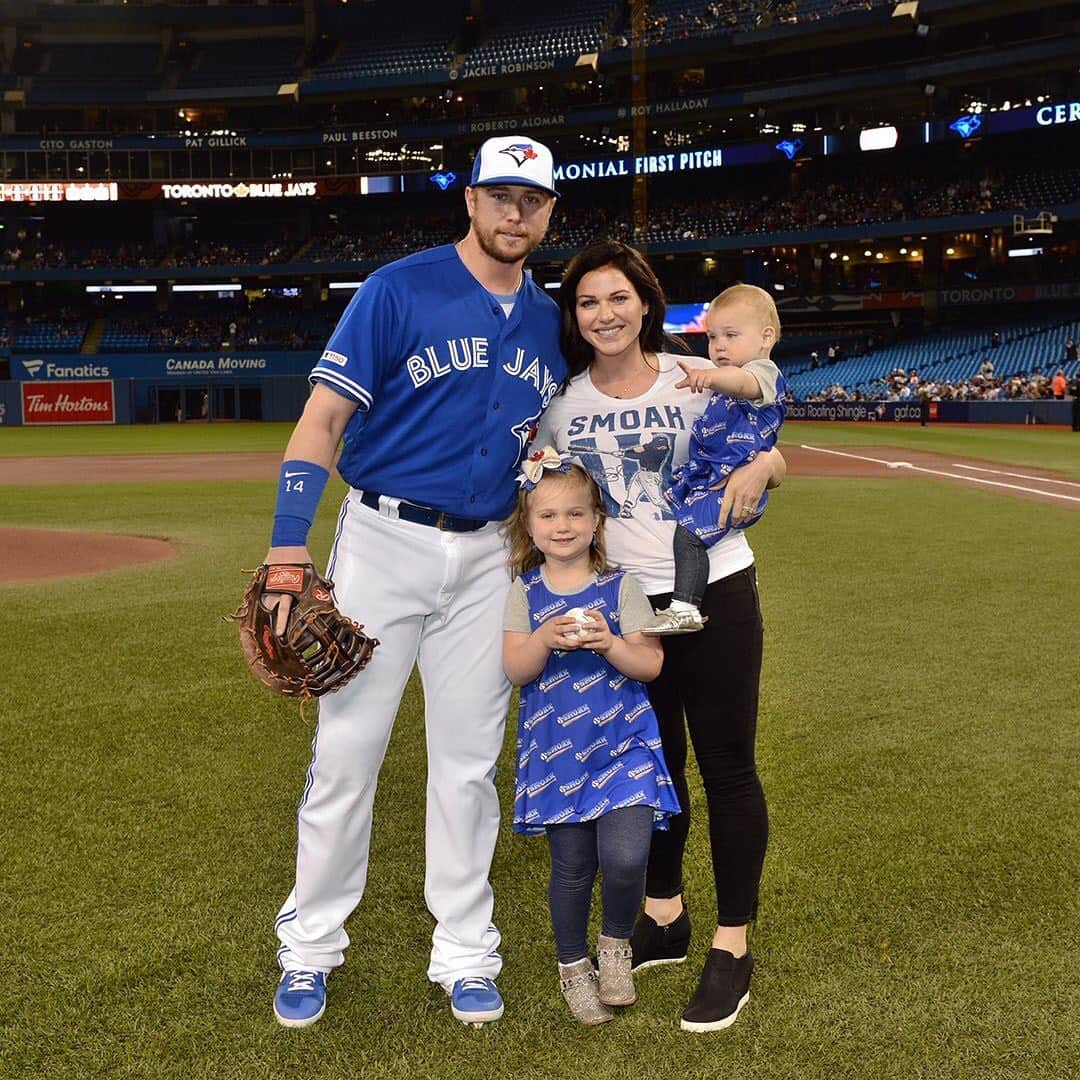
514 159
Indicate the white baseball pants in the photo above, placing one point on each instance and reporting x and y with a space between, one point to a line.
434 598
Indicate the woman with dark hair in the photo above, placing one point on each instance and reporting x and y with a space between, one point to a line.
623 418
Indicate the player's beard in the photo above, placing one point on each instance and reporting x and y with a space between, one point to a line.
487 239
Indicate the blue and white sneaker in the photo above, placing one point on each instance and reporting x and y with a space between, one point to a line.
476 1000
300 998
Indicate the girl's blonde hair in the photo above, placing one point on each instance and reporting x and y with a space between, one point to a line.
524 555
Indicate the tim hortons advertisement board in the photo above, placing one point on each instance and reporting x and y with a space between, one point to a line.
83 402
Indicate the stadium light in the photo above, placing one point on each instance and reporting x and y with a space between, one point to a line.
120 289
209 286
880 138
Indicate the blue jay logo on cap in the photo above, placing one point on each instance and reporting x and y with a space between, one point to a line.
520 152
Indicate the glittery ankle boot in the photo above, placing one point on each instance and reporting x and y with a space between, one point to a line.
579 986
616 980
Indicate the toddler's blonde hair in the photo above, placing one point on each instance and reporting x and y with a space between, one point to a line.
758 300
524 555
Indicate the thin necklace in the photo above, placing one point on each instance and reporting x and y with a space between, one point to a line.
630 382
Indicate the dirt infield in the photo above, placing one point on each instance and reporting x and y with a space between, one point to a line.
30 554
134 468
33 554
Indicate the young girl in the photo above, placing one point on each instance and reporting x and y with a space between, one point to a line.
590 771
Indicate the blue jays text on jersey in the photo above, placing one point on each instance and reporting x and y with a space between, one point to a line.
449 389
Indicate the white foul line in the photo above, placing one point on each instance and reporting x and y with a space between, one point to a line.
1018 475
951 476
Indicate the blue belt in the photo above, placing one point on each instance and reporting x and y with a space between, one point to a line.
425 515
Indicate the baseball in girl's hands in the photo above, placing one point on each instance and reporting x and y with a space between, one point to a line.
594 632
560 633
581 617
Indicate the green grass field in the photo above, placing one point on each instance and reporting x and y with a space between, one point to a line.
919 744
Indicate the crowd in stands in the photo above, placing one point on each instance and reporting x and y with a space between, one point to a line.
392 240
396 38
771 206
239 328
900 385
221 253
61 330
50 255
677 20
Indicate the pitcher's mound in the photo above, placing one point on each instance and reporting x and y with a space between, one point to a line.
32 554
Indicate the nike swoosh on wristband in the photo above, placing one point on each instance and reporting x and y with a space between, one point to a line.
290 475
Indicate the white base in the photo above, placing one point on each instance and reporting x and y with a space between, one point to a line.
289 1023
659 963
717 1025
477 1019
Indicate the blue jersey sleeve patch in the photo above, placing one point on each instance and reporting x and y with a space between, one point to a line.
363 342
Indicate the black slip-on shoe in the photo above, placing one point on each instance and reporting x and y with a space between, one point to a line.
724 989
653 945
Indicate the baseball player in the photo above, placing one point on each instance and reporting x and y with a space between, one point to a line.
435 377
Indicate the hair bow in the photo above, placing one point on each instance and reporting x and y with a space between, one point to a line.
539 462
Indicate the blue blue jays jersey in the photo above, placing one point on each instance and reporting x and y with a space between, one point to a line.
448 388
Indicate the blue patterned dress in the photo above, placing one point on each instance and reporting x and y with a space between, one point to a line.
588 740
729 433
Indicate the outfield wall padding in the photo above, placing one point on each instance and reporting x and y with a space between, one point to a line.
941 412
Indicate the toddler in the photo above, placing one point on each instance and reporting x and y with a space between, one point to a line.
741 420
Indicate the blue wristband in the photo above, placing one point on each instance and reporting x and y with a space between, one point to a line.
300 487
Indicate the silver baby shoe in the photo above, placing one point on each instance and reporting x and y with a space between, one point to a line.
580 988
616 980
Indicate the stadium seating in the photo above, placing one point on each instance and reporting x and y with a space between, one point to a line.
266 61
950 356
91 68
523 34
49 335
396 37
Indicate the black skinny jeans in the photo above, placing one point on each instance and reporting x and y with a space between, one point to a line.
712 678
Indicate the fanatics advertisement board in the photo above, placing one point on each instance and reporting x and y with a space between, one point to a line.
86 402
37 368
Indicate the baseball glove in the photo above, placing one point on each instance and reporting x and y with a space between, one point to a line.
294 640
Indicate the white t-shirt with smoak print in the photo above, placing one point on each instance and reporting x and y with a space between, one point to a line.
630 446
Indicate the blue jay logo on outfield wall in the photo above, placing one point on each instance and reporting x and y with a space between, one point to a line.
443 179
789 147
966 125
